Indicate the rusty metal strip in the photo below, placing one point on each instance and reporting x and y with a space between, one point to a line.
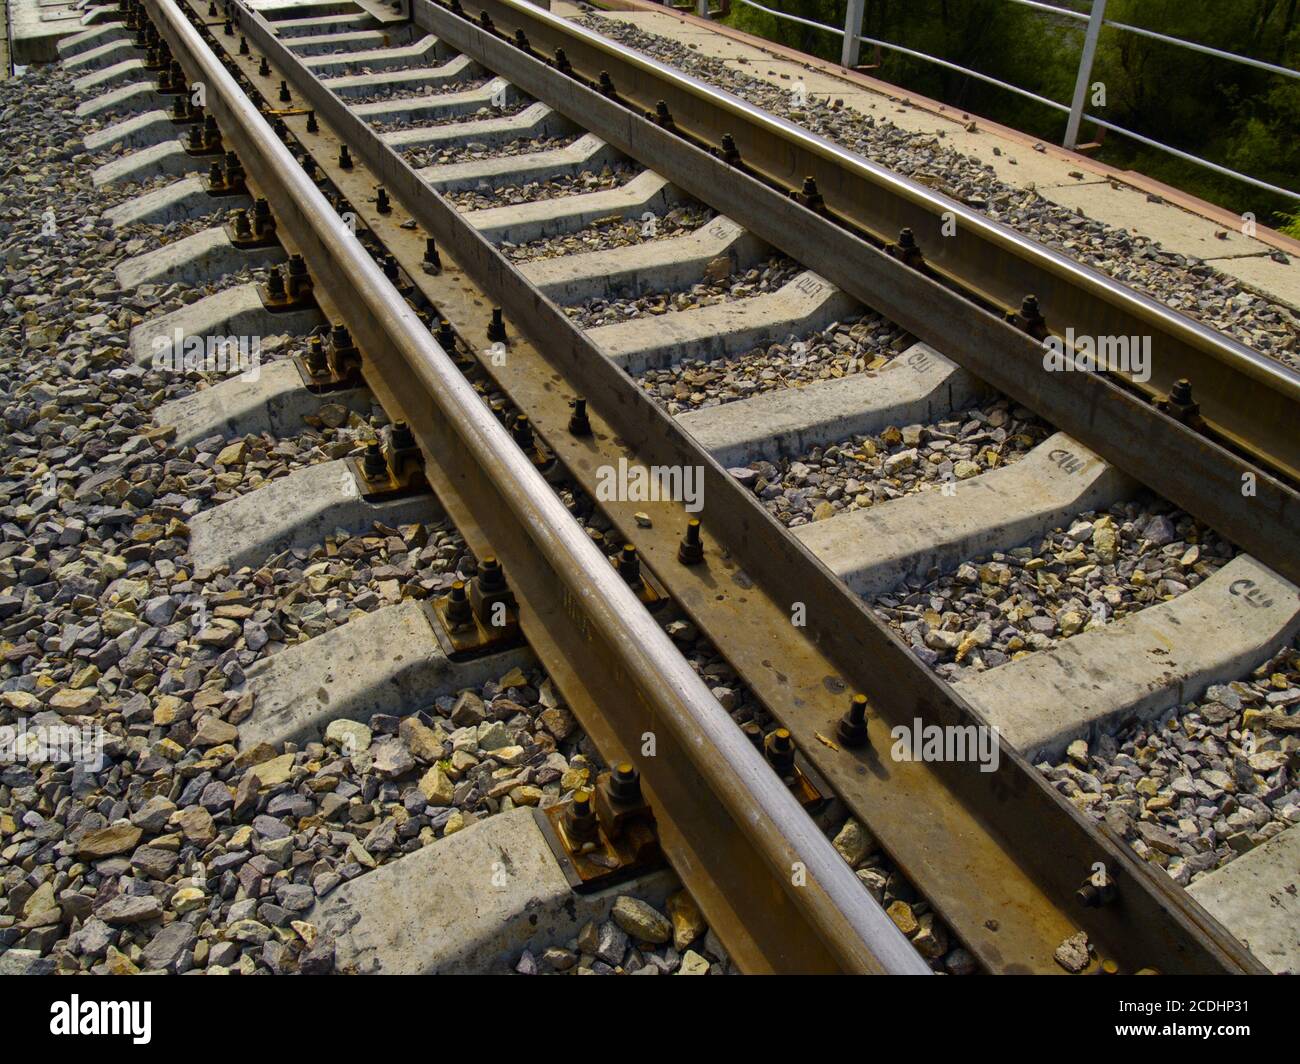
732 830
1007 889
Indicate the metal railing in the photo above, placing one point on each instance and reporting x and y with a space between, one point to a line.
1094 21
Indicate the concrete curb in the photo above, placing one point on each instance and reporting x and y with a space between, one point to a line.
1141 665
806 303
299 510
202 256
920 385
655 266
387 661
470 902
276 403
876 549
186 198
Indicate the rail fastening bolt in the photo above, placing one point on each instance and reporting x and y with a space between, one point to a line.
522 431
691 550
275 284
497 329
491 577
779 748
1181 392
401 438
459 611
316 360
629 565
381 201
374 465
852 728
299 278
579 424
580 819
264 68
446 336
625 782
345 157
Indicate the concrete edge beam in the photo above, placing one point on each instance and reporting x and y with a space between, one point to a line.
181 200
534 121
1137 667
1257 898
523 222
128 99
654 266
468 903
387 661
138 131
165 158
876 549
460 68
195 259
105 55
588 152
439 105
273 401
296 511
920 385
233 312
806 303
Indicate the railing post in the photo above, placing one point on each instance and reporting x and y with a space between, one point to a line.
852 27
702 8
1095 21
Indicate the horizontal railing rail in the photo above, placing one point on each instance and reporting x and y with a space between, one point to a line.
853 38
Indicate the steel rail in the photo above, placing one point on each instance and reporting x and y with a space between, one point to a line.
1004 845
709 785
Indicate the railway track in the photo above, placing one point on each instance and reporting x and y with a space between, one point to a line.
535 360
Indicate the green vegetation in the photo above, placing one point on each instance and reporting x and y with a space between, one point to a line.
1228 113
